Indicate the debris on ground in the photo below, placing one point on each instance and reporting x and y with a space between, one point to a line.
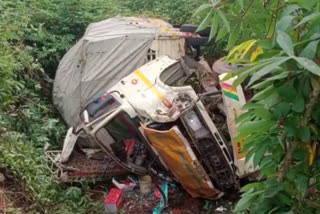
113 201
177 202
163 200
79 166
125 186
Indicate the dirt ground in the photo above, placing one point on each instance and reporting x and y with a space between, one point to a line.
12 196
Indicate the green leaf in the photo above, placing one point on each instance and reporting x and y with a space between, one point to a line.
309 65
291 128
234 36
290 9
244 203
258 156
282 109
304 134
262 113
240 3
265 44
264 93
298 104
272 191
267 69
266 162
214 27
244 117
302 183
222 33
310 50
251 127
261 85
248 106
249 155
270 80
205 22
287 92
203 8
245 72
308 18
285 43
309 4
284 23
224 19
285 199
247 187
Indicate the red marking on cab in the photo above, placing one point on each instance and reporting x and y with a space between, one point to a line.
134 81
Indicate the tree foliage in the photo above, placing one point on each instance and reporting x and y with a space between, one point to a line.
281 124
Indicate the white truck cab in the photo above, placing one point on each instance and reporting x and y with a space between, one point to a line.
153 119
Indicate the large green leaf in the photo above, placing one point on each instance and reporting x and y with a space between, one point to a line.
205 22
287 92
307 4
285 43
282 109
256 185
214 27
223 32
308 18
284 23
302 183
234 36
290 9
264 93
250 127
265 83
245 71
258 155
243 203
223 18
272 191
262 113
308 65
291 128
267 69
304 134
203 8
248 106
298 103
310 50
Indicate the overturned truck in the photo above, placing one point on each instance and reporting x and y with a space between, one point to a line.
138 99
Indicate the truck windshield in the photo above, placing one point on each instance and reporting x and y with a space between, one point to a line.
171 75
101 104
118 133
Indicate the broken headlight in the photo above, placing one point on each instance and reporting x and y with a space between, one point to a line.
195 125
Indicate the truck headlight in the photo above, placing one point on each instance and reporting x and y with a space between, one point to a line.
193 121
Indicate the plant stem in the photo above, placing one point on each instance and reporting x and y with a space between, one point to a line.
287 161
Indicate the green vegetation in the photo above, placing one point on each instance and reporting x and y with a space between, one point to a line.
281 124
34 35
